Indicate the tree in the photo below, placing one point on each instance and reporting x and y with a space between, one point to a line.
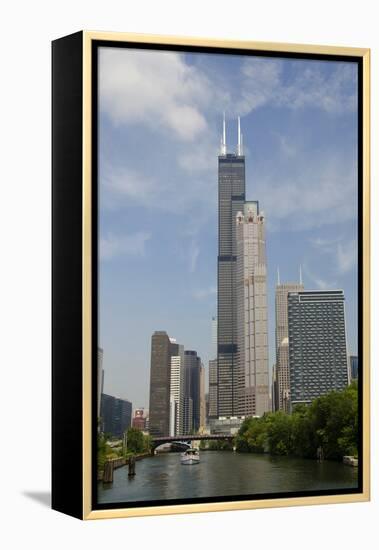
101 450
330 422
252 435
280 433
220 445
135 441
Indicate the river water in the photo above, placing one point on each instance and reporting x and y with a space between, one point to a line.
223 473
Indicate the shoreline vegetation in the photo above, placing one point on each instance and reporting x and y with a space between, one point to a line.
326 429
138 445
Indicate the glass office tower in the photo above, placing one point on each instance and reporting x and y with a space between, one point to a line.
317 344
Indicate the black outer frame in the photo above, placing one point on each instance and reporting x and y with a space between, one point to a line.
67 206
67 163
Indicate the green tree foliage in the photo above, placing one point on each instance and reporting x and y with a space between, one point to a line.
252 435
220 445
330 422
102 450
279 433
335 421
137 442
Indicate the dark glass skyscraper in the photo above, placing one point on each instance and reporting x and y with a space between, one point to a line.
317 344
116 414
231 199
192 374
162 349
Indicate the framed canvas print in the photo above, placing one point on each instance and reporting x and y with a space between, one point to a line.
210 275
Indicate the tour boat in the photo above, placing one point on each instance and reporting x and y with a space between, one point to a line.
190 456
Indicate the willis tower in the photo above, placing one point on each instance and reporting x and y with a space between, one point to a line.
231 199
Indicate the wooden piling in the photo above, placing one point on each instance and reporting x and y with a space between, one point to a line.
132 466
108 472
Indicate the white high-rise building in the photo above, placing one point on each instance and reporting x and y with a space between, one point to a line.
252 331
177 392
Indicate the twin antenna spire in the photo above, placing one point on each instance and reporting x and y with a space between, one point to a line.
300 274
223 149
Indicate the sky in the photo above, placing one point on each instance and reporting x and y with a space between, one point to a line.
160 123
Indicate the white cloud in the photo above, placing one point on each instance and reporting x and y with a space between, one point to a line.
131 184
174 100
320 282
260 84
112 246
347 256
343 253
203 293
155 88
310 86
193 255
325 246
313 88
287 148
316 190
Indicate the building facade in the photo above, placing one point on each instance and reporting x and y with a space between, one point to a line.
274 390
187 415
116 415
203 414
213 411
282 374
251 299
317 344
162 349
192 387
177 390
139 420
212 373
231 198
100 378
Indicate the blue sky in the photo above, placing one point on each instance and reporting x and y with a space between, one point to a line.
160 125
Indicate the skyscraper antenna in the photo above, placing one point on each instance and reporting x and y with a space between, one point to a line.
239 138
301 275
278 277
223 139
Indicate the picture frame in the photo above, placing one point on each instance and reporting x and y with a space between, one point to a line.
75 270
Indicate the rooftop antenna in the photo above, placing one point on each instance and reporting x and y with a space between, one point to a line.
239 146
301 275
223 139
278 277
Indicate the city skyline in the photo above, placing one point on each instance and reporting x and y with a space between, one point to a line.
154 222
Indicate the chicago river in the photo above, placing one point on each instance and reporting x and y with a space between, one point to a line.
223 473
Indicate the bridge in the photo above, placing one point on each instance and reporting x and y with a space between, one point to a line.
156 441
